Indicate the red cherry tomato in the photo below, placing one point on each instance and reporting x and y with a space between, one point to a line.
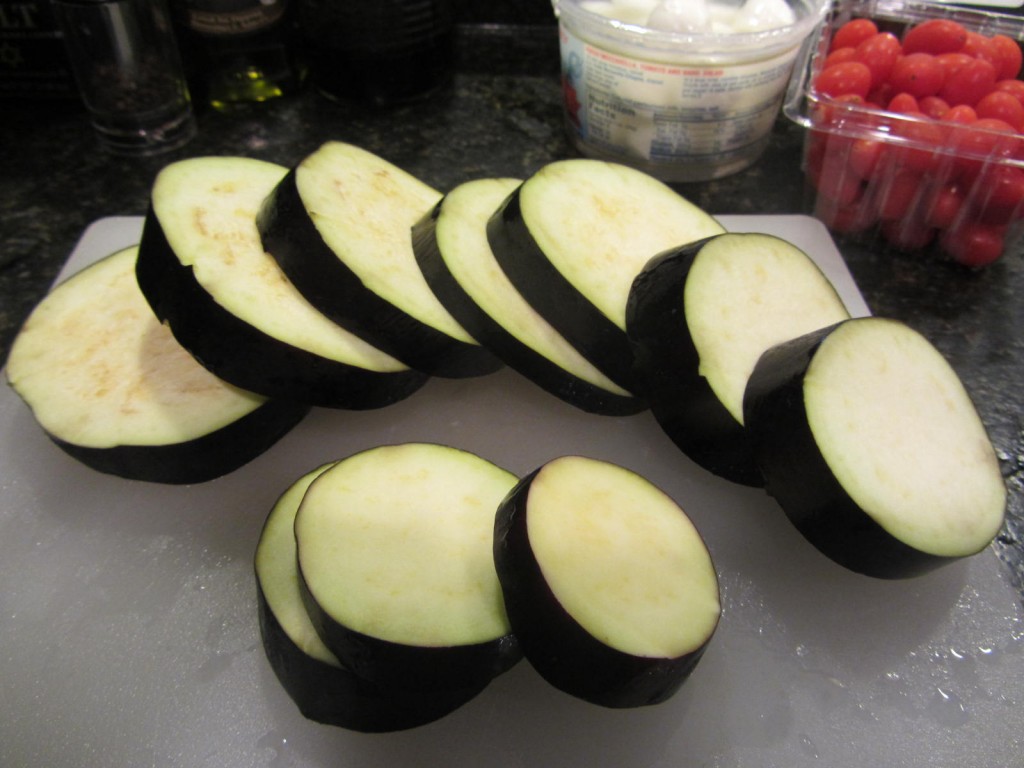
918 74
838 56
1004 194
1002 106
951 62
846 219
1015 87
905 104
1010 56
981 47
853 33
974 244
906 235
896 193
879 54
935 36
961 114
863 157
851 77
934 107
944 206
969 83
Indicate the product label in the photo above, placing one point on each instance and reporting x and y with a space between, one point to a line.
223 19
660 112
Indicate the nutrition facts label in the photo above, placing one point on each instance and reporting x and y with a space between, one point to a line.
656 111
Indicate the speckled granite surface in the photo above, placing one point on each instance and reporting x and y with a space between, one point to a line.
500 117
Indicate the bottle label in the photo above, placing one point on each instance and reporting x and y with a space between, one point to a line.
218 18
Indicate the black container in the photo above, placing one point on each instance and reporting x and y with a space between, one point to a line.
378 52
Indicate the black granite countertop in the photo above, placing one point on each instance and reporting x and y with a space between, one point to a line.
496 120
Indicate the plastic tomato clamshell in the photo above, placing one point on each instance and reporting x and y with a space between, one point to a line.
908 182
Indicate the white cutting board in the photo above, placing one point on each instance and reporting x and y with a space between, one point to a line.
128 632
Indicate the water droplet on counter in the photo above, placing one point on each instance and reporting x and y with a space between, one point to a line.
947 709
808 747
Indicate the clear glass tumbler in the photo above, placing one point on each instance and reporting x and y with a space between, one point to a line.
128 69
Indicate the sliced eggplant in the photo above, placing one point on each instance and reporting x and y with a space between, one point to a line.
394 552
451 248
110 385
608 585
573 237
322 688
204 272
699 317
339 226
873 448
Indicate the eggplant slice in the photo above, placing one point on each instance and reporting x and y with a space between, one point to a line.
339 225
205 273
700 316
451 248
394 551
873 448
608 585
109 384
322 688
573 237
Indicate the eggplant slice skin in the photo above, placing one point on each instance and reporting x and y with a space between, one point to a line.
339 225
700 316
110 385
205 273
394 551
451 248
322 688
608 586
573 237
872 447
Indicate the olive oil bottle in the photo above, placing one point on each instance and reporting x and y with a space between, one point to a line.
238 52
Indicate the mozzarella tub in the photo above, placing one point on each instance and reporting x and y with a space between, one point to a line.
686 90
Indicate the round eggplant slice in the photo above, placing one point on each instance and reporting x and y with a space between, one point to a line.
573 237
872 447
205 273
608 585
339 226
700 316
322 688
110 385
394 552
453 253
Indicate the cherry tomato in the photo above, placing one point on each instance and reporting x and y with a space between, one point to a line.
935 36
944 205
933 106
974 244
863 157
961 114
832 180
897 193
1004 193
846 219
923 137
951 62
838 56
904 103
1010 56
853 33
969 83
918 74
1002 106
879 54
981 47
851 77
1015 87
907 235
880 95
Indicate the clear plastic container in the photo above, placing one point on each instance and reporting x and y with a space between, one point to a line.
905 182
682 107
